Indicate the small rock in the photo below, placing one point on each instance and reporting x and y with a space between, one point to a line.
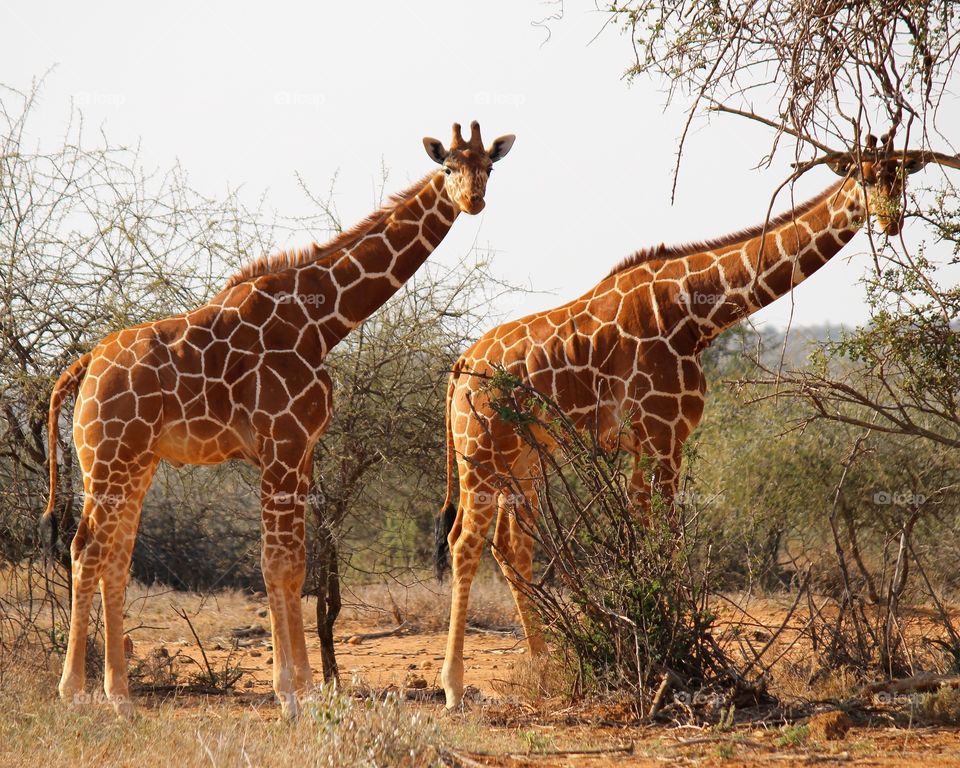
248 684
411 666
269 660
417 683
829 726
255 653
426 665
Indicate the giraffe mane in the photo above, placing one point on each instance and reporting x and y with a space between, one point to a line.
665 252
291 258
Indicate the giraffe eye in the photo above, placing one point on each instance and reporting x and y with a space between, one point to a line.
447 170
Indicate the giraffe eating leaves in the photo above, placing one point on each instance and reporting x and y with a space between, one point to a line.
623 362
241 377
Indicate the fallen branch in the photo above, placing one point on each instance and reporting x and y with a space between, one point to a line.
468 759
361 636
922 682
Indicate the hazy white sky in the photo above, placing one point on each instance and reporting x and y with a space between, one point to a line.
250 93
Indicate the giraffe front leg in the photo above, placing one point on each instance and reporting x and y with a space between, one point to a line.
513 550
283 562
113 587
85 572
302 674
476 512
653 489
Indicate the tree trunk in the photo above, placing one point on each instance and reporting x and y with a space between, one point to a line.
327 589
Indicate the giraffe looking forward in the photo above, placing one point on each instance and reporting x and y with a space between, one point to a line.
627 352
240 378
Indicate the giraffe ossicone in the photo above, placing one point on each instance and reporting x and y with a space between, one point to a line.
240 377
627 352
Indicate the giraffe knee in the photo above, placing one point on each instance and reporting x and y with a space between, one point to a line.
282 571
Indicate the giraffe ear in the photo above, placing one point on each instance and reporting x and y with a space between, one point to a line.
435 149
912 165
841 166
500 147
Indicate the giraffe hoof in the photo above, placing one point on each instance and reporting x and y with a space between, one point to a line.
74 695
454 701
123 706
289 706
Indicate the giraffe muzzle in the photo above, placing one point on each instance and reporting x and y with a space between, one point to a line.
474 205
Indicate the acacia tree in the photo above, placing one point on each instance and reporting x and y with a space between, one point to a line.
379 465
91 241
824 76
823 71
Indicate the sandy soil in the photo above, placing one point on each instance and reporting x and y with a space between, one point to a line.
552 738
400 660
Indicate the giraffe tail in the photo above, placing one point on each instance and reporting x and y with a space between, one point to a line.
447 517
68 383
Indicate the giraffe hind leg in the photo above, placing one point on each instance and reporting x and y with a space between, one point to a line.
513 551
100 555
466 545
88 541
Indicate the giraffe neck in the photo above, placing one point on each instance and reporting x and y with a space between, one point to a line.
723 286
359 280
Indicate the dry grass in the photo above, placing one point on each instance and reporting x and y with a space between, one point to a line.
152 613
534 678
525 718
425 605
335 730
526 712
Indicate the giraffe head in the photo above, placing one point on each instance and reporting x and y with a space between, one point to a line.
882 174
467 165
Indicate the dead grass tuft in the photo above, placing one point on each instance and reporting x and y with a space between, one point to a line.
940 707
425 605
828 726
534 678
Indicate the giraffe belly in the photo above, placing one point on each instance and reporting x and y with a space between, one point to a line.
205 444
